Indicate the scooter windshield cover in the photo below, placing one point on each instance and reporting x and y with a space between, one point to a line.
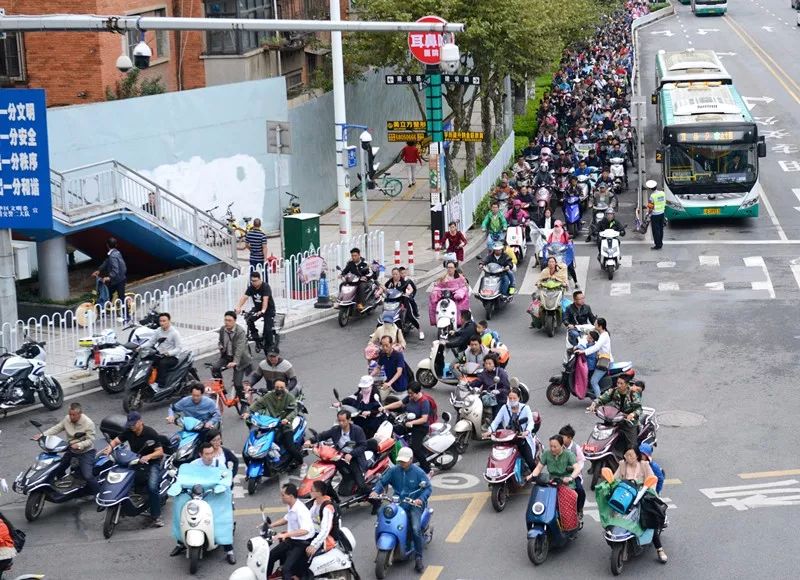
263 421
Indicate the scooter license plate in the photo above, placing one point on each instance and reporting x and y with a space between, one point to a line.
493 472
611 262
81 358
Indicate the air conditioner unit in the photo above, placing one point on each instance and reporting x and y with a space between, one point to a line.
22 260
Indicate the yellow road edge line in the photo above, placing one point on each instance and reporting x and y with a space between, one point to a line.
766 54
754 48
467 519
764 474
444 497
409 193
378 213
673 481
431 572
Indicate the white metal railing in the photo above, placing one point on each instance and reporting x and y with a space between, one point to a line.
86 191
196 307
462 207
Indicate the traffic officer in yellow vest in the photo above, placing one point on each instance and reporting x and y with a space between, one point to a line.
657 201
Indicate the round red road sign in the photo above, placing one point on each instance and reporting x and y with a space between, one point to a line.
425 46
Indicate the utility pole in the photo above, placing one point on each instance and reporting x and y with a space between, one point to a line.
123 23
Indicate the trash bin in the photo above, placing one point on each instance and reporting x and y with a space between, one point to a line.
300 234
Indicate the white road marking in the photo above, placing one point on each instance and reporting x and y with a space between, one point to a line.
772 216
709 260
627 261
664 32
449 480
745 497
715 286
758 262
668 287
726 54
582 270
238 486
704 31
796 272
790 166
531 275
665 264
620 288
796 191
753 101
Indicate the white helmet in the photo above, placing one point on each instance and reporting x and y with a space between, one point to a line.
242 574
651 184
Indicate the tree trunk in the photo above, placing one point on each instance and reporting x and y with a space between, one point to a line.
520 100
497 108
470 173
486 119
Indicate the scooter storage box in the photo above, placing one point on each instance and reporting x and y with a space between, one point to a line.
622 497
113 425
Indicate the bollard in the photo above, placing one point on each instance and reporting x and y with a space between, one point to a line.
396 253
323 294
410 245
436 243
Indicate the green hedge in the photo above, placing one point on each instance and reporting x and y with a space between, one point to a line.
659 6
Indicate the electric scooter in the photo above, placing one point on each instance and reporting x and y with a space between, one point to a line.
505 468
393 533
487 288
440 442
446 314
435 368
561 387
542 520
346 300
610 256
262 455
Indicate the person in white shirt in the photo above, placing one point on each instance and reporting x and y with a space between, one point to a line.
167 342
291 552
568 434
604 357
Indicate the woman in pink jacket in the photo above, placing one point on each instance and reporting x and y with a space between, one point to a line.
454 281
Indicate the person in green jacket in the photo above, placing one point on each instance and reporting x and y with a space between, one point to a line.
494 223
281 404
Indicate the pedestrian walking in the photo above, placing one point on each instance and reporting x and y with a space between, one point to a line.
657 202
411 157
455 242
256 242
151 206
115 274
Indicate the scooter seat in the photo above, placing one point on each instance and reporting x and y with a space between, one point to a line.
620 366
385 445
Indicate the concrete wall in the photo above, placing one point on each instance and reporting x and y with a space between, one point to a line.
221 70
208 145
369 103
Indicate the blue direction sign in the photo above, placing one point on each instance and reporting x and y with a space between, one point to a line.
25 201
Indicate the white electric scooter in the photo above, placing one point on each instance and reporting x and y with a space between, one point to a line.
335 563
610 254
446 315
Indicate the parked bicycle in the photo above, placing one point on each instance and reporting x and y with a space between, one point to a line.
232 226
386 184
294 204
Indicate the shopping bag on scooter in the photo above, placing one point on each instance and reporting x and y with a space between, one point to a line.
534 307
567 508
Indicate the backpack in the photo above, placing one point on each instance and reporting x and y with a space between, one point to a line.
653 512
17 536
433 416
336 529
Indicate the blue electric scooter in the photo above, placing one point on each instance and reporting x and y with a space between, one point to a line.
572 214
541 519
263 456
186 442
393 533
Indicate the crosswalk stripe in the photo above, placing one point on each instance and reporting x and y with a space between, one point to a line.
582 270
716 286
758 262
668 287
796 272
666 264
531 275
620 288
709 260
627 261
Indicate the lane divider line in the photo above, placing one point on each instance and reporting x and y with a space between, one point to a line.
766 474
431 572
467 519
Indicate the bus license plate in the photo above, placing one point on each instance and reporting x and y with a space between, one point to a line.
712 211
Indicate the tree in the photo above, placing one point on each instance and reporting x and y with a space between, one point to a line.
130 87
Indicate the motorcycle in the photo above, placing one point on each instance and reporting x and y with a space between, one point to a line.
22 375
39 481
446 314
543 521
121 495
139 381
487 288
472 416
324 469
572 212
263 456
435 368
185 443
505 468
203 510
394 310
624 536
605 445
551 293
346 301
393 533
560 388
610 255
337 563
543 200
103 352
618 171
440 442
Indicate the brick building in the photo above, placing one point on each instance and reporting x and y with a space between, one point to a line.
77 68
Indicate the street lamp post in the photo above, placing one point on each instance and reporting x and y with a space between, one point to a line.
366 145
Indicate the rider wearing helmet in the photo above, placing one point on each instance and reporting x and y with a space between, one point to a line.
499 256
543 176
657 202
647 455
609 222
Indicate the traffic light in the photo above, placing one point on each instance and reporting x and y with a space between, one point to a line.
372 166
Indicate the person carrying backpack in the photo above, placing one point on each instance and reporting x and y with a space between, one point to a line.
11 542
416 404
325 515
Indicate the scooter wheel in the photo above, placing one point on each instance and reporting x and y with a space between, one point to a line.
617 559
499 497
194 559
538 548
382 563
610 271
252 485
111 521
34 505
426 378
557 394
344 316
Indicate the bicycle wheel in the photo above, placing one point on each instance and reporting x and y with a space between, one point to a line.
392 187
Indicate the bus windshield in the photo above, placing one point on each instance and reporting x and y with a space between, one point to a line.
714 165
704 2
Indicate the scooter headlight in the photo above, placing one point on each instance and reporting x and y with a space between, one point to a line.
601 433
115 477
537 508
255 452
389 512
192 508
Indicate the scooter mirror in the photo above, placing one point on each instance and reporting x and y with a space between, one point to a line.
335 394
650 481
35 423
496 380
607 474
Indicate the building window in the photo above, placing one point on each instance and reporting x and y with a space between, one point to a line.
236 42
157 40
12 65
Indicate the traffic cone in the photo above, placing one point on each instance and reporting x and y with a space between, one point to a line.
323 295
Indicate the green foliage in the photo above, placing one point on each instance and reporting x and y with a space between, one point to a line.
659 6
130 87
527 126
481 210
